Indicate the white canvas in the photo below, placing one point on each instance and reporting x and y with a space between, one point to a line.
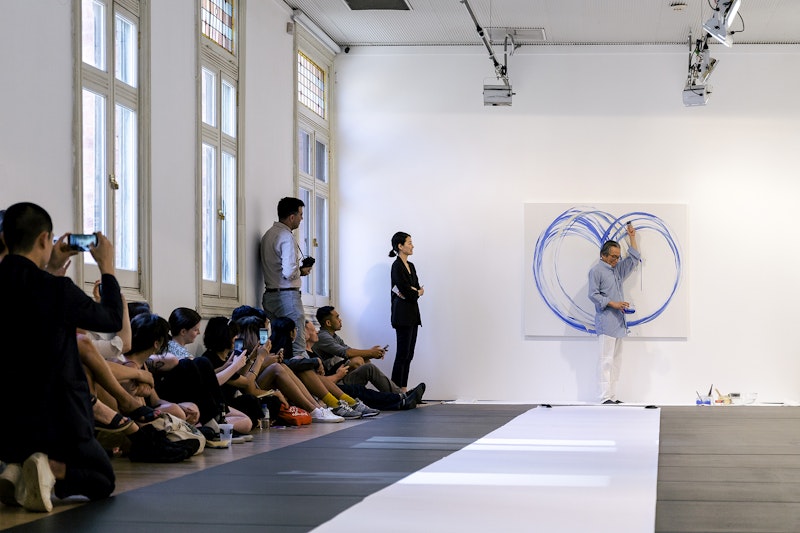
562 242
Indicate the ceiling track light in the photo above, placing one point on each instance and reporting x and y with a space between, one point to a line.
701 65
719 25
495 95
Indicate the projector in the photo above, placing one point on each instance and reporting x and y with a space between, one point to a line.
694 95
495 95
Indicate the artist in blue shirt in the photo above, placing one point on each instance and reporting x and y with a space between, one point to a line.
605 291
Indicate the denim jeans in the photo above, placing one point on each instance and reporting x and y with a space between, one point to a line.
288 304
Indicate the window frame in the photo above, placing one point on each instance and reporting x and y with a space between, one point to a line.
135 284
319 128
214 297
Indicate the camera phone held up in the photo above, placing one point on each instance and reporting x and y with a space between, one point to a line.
81 242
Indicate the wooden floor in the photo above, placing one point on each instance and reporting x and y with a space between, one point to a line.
725 469
721 469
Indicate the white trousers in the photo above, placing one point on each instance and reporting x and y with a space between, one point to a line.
610 348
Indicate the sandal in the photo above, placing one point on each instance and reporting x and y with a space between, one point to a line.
144 414
117 424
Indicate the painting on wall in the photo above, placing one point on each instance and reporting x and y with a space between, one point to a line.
562 242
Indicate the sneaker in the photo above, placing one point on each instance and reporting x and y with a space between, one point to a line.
346 412
245 437
417 393
364 409
212 425
9 480
324 414
212 437
406 403
36 489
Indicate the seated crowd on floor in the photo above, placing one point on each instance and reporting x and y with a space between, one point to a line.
119 380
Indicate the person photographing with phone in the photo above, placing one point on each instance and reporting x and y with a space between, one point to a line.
54 448
605 291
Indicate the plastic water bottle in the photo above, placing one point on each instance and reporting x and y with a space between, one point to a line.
264 422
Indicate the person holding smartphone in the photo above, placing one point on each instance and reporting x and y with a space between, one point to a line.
54 448
405 294
228 362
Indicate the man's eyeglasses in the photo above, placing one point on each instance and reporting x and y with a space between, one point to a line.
614 256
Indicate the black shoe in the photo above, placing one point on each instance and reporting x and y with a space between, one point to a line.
610 402
409 402
617 402
417 393
209 433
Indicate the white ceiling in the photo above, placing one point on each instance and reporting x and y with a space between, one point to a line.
565 22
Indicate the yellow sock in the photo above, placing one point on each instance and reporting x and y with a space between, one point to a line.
330 400
350 401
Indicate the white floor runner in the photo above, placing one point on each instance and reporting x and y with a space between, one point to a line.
565 469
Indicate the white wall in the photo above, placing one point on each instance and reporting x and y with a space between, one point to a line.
36 108
36 135
173 147
418 152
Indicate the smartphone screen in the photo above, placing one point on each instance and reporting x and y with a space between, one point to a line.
238 346
81 242
263 336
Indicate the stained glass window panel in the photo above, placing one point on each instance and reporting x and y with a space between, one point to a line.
310 85
217 22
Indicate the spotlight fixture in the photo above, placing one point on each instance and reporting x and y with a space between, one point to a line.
701 65
719 25
495 95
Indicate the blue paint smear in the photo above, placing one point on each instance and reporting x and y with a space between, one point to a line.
596 227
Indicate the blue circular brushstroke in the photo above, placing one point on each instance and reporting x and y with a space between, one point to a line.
596 227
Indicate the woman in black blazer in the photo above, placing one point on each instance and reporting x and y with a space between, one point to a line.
406 290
